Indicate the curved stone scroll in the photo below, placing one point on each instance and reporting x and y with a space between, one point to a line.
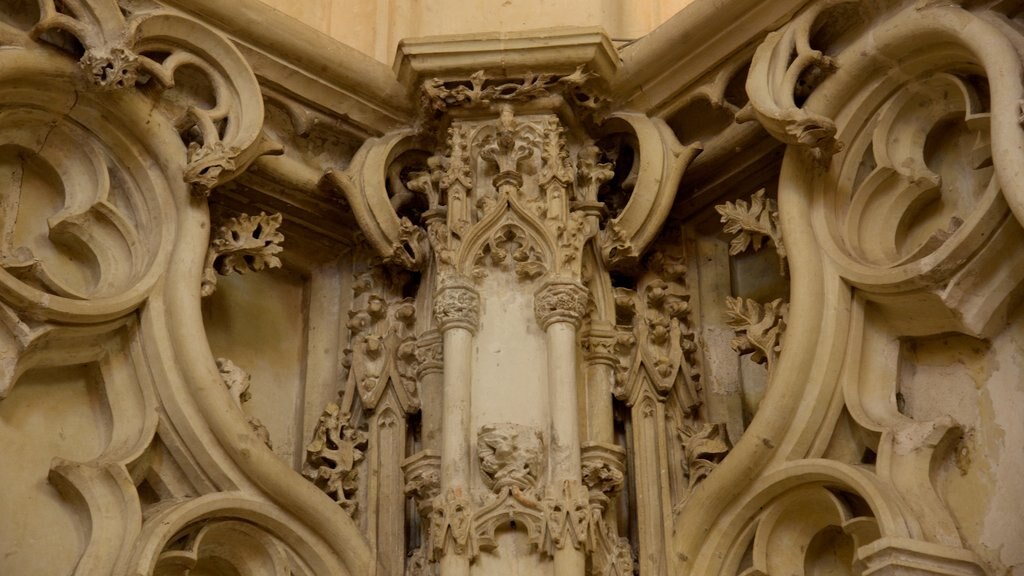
365 187
113 277
229 529
223 136
782 66
96 164
898 226
662 160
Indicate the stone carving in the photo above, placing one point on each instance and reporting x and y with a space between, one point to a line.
511 247
752 225
125 47
511 456
451 525
382 347
603 469
560 302
482 90
238 382
382 366
243 243
206 165
902 197
457 306
659 335
568 517
775 105
591 172
704 447
759 328
419 564
429 354
423 479
115 68
333 456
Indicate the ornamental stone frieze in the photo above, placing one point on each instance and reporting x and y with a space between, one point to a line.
736 295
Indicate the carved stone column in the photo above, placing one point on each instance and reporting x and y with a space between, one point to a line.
499 204
600 358
560 307
457 311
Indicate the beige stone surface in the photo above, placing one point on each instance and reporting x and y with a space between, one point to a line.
741 297
375 27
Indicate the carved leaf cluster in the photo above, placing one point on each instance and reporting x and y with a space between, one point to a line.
752 224
704 447
242 244
238 382
758 327
439 95
332 457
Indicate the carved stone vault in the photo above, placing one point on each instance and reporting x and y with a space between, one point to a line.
740 297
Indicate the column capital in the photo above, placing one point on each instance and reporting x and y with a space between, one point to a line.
561 301
457 305
599 345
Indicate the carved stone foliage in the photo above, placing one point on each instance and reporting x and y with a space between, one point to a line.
704 447
423 479
656 343
752 225
561 302
603 468
332 457
759 328
382 349
242 244
457 305
517 204
481 90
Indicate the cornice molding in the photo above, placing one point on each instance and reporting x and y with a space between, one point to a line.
279 46
552 50
657 68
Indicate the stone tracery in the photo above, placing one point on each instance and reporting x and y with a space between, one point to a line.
526 325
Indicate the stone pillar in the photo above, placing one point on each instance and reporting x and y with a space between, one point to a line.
560 307
457 309
599 355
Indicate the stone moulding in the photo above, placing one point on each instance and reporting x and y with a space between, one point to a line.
128 156
876 115
856 273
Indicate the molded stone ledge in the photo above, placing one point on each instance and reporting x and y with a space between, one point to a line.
555 50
